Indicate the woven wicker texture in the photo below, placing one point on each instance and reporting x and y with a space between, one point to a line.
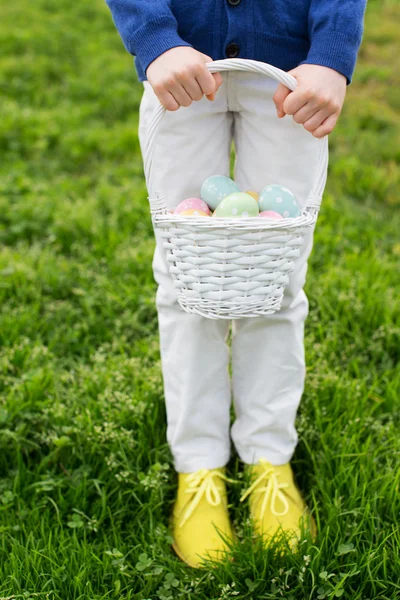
230 268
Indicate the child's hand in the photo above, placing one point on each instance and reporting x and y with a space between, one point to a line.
180 76
317 101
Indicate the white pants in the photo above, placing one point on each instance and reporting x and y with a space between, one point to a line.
268 366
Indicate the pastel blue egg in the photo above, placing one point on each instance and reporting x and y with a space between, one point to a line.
216 188
279 199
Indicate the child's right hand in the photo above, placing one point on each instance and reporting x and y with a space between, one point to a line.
180 76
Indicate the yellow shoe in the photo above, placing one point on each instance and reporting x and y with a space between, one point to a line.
200 509
276 505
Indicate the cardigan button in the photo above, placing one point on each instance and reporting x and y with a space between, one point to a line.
232 50
234 2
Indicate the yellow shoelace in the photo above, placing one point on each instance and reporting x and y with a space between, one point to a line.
201 483
272 491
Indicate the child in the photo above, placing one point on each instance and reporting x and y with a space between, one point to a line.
317 42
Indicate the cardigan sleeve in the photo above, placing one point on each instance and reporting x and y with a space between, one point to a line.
336 30
147 28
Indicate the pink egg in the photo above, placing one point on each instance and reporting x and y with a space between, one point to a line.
270 214
192 204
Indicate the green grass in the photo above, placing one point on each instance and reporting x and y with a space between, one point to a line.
86 477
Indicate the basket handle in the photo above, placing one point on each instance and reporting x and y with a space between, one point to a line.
237 64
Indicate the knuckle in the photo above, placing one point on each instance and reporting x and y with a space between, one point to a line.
322 99
169 82
297 118
171 106
158 88
197 69
177 75
185 73
286 107
309 94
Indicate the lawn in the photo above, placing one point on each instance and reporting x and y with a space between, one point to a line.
86 477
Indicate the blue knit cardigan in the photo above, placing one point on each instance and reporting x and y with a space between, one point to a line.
284 33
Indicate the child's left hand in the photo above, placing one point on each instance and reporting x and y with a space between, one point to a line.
317 101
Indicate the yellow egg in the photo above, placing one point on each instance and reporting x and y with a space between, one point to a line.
253 195
193 212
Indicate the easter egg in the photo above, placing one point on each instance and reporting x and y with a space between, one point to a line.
237 205
192 203
216 188
253 195
279 199
193 212
270 214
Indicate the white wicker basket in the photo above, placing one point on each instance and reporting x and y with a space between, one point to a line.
230 268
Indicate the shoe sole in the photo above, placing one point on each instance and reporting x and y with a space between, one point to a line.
312 529
183 558
197 566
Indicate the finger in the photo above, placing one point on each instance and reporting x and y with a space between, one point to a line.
168 101
280 95
193 89
218 79
305 113
294 102
180 95
206 81
316 120
327 126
